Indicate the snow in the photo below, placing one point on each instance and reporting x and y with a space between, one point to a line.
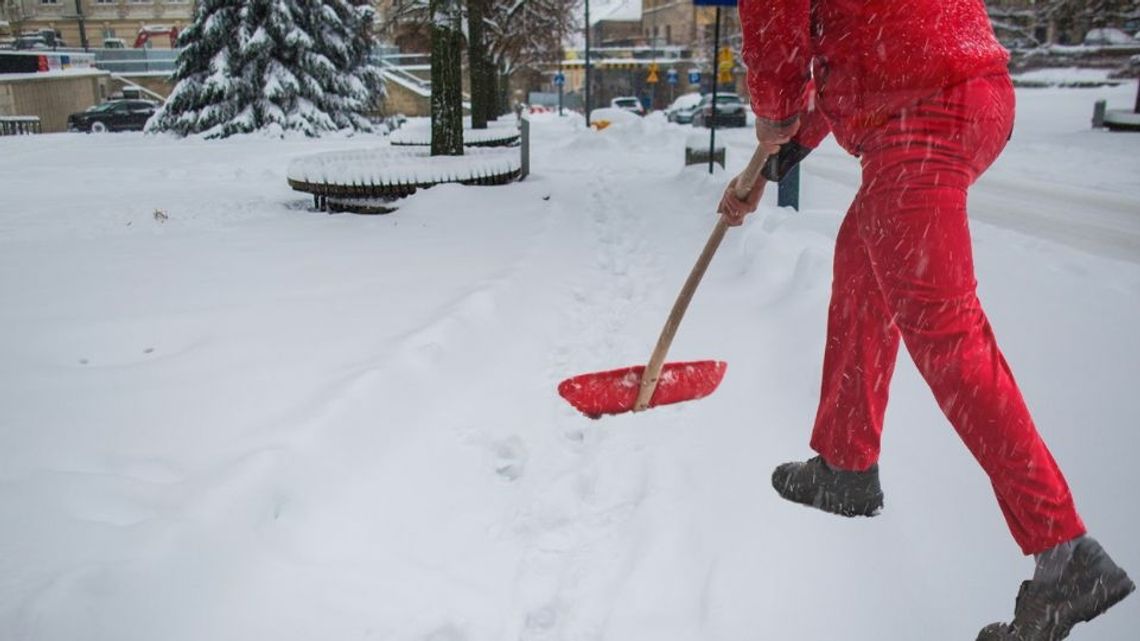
55 73
615 116
685 101
415 85
242 419
1122 117
418 132
1109 36
395 166
1067 76
615 10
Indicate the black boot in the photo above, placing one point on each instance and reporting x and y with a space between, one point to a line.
845 493
1046 611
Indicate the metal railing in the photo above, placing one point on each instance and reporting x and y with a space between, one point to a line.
135 60
19 125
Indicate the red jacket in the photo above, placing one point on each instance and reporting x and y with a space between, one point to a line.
868 59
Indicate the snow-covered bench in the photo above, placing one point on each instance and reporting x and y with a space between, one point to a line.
362 180
492 137
369 181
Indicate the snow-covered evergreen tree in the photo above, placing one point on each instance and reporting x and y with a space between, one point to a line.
275 65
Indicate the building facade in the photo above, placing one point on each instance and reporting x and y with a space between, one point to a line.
679 22
100 21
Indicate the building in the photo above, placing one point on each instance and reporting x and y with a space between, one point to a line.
615 23
100 21
679 22
639 46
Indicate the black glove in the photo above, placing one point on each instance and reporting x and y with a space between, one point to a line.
778 166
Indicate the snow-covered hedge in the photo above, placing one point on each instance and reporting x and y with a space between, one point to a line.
388 172
1122 120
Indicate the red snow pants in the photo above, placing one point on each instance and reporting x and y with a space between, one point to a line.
904 268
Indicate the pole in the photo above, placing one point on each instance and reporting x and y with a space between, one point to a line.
561 85
82 26
788 194
1137 110
587 63
712 117
653 49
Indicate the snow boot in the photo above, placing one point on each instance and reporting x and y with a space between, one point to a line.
840 492
1089 585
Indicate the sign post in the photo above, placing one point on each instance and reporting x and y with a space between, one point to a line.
560 82
587 64
714 62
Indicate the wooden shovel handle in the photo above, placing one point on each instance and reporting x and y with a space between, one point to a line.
744 183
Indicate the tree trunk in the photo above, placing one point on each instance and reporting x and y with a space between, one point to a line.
477 61
490 89
503 91
446 78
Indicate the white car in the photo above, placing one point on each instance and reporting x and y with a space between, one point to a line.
628 103
683 108
1109 36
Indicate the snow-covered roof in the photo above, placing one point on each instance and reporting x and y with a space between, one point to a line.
615 11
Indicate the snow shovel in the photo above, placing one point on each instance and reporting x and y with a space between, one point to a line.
659 383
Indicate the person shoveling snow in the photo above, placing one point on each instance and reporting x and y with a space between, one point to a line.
920 92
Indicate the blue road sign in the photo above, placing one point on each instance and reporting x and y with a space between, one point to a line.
559 79
715 3
694 77
671 76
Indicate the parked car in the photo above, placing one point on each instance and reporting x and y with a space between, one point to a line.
683 108
1109 36
1021 43
628 103
731 111
41 39
113 115
28 43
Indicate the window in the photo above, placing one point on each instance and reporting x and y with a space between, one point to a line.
49 1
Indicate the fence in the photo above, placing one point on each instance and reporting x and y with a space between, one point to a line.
19 125
134 60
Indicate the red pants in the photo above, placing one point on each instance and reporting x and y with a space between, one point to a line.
904 268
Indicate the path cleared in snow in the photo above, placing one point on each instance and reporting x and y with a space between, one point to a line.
256 421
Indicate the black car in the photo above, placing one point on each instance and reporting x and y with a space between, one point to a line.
113 115
731 111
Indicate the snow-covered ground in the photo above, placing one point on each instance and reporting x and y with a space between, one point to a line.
225 417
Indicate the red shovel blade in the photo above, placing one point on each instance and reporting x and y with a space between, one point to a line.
615 392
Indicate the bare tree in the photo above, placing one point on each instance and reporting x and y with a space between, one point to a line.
519 34
525 33
1065 15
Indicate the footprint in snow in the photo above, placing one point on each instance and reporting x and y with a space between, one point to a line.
510 458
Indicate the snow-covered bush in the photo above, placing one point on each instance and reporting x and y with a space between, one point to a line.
273 65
